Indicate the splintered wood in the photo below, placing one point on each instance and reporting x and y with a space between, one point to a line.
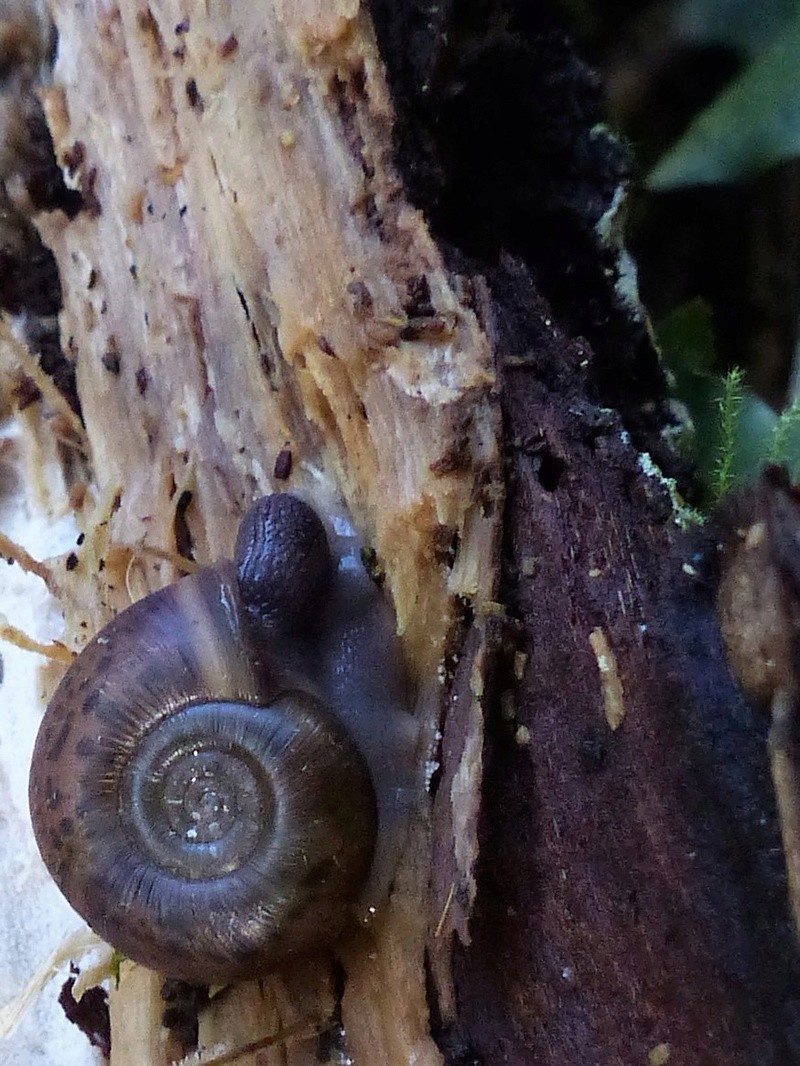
246 279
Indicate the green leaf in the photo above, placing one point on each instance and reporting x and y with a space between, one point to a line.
686 339
743 25
754 432
752 125
785 445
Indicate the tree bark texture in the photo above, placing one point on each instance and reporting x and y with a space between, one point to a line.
385 242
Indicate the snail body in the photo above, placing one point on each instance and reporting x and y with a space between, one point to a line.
222 778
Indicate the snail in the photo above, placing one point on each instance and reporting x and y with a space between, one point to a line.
223 778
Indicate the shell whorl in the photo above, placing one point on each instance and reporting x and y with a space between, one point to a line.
198 788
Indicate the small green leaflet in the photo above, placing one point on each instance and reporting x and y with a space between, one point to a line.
752 125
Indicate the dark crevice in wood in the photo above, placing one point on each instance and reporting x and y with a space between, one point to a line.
184 542
29 283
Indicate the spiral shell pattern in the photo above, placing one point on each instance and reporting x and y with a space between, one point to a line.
194 794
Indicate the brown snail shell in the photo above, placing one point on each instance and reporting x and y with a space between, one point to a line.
222 778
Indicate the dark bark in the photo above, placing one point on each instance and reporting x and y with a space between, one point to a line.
631 889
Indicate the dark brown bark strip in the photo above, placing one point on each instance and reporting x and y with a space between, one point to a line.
631 885
631 893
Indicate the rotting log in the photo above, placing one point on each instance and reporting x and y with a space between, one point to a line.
595 873
245 277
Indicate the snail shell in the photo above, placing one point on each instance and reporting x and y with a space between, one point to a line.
222 778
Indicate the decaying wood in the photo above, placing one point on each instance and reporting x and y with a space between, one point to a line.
248 293
246 276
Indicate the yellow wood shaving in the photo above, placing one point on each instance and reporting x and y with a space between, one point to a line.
610 681
24 358
180 562
447 904
102 969
11 550
54 650
220 1055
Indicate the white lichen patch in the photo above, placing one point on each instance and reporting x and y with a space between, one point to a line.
610 230
683 515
